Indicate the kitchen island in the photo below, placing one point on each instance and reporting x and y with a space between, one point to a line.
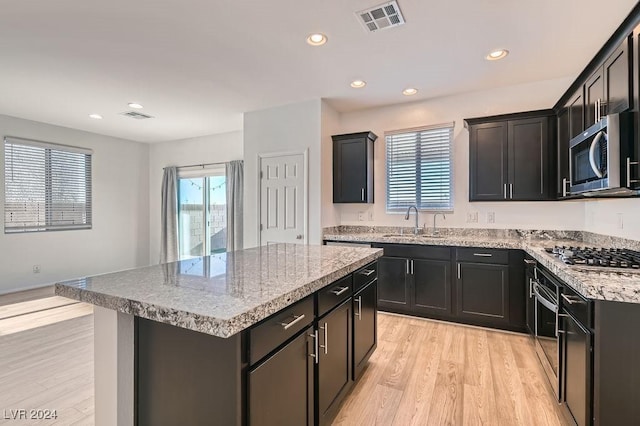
268 335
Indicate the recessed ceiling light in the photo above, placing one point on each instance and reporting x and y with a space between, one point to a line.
317 39
95 116
357 84
409 91
497 54
135 105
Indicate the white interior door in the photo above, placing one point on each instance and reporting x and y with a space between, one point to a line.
283 199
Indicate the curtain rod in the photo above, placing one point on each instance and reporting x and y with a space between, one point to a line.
199 165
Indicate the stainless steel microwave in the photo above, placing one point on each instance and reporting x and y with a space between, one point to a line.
595 155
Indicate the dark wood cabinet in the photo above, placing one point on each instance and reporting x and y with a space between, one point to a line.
431 289
280 389
576 368
365 326
488 161
511 157
483 292
393 291
593 97
353 167
575 108
617 80
335 362
563 153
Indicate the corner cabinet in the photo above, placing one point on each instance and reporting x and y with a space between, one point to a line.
353 167
511 157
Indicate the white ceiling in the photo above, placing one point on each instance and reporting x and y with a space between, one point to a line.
197 65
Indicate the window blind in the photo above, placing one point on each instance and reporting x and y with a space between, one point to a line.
47 186
419 168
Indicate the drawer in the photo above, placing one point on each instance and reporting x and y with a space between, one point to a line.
334 294
416 251
275 330
364 276
482 255
580 307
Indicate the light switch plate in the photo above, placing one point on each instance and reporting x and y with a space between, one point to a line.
361 216
472 217
491 217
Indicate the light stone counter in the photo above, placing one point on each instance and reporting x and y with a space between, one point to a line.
610 284
221 294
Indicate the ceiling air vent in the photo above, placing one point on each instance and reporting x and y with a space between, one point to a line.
386 15
136 115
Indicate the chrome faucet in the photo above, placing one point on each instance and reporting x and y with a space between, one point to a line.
435 230
406 217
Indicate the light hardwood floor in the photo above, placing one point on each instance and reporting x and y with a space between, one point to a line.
435 373
422 373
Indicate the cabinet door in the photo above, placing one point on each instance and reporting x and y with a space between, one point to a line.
488 161
576 114
593 92
617 81
365 325
563 152
280 390
528 162
392 283
431 290
483 292
577 370
335 363
350 171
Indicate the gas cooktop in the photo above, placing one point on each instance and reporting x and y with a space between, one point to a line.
591 256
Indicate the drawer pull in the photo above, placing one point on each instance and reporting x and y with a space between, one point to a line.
367 272
296 319
530 261
340 290
483 254
571 300
359 313
326 337
314 355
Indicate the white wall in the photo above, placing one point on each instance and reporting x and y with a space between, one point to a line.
119 238
540 95
620 218
216 148
289 128
330 126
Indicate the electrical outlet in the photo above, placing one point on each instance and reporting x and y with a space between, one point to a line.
361 216
36 269
472 217
370 215
491 217
620 221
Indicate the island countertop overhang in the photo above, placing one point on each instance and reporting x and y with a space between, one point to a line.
222 294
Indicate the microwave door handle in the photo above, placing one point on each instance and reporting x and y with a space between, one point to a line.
592 154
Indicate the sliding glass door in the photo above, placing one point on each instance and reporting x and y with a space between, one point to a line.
202 209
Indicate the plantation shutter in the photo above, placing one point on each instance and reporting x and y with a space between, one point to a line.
419 168
47 186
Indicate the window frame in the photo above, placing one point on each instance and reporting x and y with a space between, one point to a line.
402 210
49 223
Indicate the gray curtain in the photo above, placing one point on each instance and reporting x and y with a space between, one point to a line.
235 183
169 218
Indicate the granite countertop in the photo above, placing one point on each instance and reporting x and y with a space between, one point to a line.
609 284
221 294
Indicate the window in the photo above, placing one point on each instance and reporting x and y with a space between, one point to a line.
419 168
47 187
202 212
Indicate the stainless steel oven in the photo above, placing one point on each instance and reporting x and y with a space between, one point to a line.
546 292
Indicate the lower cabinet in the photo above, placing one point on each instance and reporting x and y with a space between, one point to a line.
576 368
393 291
281 388
365 326
431 289
483 292
334 360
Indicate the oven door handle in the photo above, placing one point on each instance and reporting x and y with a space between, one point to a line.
592 153
544 301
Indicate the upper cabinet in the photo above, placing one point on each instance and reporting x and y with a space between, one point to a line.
353 167
511 157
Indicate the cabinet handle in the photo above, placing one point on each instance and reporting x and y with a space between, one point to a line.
629 164
325 346
483 254
296 319
314 355
359 313
530 288
565 191
459 272
411 266
408 267
530 261
571 300
340 291
362 194
505 191
367 272
511 191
